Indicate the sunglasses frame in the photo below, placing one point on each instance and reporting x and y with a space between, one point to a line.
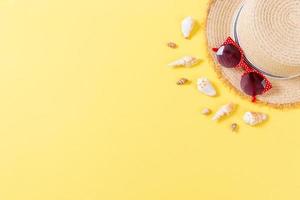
243 64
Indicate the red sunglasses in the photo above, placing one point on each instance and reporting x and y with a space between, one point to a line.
230 55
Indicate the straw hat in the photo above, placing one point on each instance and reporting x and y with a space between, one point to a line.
268 31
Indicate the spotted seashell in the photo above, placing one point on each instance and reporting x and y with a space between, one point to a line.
205 87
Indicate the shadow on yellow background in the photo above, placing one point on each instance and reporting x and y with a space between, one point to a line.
89 110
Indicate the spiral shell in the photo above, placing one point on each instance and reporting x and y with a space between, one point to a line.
182 81
224 111
254 118
186 61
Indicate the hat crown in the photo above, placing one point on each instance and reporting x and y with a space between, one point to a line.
269 32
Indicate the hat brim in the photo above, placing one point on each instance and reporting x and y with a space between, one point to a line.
285 93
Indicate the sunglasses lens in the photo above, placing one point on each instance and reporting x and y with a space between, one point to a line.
229 56
253 84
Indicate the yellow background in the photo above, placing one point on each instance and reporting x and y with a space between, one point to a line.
89 110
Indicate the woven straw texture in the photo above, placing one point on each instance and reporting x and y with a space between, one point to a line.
269 33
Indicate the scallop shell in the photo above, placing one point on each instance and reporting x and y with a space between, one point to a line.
254 118
205 87
186 61
187 26
224 111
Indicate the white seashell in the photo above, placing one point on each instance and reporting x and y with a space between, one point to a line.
206 87
206 111
186 61
224 110
254 118
187 26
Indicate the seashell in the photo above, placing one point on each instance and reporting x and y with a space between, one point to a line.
172 45
224 111
187 26
206 87
186 61
182 81
234 127
206 111
254 118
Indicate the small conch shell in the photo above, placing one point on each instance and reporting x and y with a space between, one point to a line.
206 87
186 61
206 111
224 110
254 118
182 81
187 26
